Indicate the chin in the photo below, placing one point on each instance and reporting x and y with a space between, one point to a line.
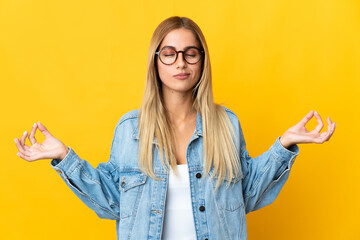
181 89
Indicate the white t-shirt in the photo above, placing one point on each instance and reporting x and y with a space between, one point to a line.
178 220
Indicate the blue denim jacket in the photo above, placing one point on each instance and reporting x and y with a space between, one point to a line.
118 190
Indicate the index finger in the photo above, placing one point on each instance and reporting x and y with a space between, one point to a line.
320 123
32 134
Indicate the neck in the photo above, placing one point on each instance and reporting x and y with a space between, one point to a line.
179 106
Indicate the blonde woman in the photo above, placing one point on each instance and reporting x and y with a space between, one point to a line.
178 167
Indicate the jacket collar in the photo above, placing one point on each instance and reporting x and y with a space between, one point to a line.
198 129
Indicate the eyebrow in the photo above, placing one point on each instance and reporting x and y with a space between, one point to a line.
175 48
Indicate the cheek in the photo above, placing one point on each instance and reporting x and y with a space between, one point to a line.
197 71
163 70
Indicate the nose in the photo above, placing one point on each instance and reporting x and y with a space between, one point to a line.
180 61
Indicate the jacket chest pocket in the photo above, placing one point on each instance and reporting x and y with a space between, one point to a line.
230 197
131 187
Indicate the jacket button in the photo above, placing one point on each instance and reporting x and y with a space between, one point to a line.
123 182
206 239
198 175
202 208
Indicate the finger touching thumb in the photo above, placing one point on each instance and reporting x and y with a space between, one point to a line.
43 129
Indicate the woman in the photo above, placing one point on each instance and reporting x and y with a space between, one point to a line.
178 167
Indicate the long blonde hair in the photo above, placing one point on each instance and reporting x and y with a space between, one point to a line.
219 147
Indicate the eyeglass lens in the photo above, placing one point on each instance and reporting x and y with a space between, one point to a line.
191 55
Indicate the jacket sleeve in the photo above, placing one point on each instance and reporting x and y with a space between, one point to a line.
97 187
265 175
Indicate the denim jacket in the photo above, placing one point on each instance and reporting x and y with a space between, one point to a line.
118 190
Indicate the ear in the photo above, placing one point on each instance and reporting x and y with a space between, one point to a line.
202 67
157 70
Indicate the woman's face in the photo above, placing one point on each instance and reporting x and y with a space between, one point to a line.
180 39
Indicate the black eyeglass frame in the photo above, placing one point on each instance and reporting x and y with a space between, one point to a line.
177 54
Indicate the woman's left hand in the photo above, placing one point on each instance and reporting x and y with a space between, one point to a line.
299 134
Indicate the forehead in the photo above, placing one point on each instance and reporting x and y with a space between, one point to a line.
180 38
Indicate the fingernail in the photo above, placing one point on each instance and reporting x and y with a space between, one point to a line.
316 112
15 140
24 132
34 125
18 154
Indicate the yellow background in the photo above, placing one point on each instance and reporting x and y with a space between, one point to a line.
78 66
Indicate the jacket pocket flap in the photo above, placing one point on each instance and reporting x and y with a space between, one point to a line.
131 179
233 180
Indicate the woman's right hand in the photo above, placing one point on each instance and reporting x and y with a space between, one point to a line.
50 148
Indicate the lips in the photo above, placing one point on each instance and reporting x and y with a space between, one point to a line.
182 75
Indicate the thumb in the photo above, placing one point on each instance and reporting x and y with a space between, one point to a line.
307 118
44 130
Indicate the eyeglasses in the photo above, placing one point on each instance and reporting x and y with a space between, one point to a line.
191 55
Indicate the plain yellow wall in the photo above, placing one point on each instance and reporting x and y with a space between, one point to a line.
78 66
